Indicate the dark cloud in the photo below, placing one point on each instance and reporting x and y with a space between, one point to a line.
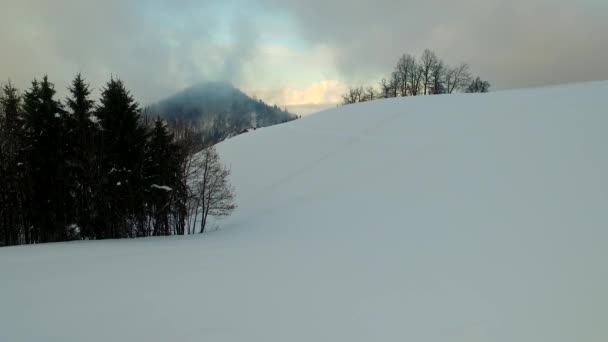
156 46
514 43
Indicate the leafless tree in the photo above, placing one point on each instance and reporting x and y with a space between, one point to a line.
426 75
395 81
457 78
428 61
353 95
385 88
415 79
405 66
348 97
438 78
210 191
370 94
189 142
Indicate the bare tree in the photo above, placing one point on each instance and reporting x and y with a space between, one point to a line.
394 84
412 77
428 61
385 88
353 95
370 94
360 94
415 79
405 66
457 77
210 191
438 77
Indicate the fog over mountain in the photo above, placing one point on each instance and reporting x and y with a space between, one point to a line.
218 106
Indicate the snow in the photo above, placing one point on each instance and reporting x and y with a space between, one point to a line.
436 218
161 187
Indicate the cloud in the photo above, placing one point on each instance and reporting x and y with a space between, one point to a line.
155 46
290 51
326 91
305 100
513 43
318 93
283 66
310 86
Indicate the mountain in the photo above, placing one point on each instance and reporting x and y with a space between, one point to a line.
433 218
221 105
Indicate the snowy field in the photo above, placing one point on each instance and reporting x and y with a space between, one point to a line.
443 218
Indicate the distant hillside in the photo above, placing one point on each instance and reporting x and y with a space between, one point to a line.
219 107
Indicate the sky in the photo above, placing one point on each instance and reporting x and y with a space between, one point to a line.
299 54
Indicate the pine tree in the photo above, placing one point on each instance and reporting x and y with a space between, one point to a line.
477 85
44 140
81 155
10 189
162 177
123 140
11 106
102 170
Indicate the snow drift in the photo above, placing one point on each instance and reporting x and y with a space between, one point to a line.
439 218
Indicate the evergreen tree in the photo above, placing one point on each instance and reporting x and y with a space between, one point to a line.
162 177
477 85
11 107
81 154
10 182
43 142
98 173
123 140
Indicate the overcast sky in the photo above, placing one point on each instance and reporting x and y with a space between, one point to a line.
297 53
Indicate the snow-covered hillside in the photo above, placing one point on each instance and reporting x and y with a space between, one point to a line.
439 218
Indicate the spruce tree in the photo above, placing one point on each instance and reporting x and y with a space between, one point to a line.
44 140
123 140
81 153
10 102
162 176
10 189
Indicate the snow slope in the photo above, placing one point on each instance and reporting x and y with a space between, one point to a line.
440 218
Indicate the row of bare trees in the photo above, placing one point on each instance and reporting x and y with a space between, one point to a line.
427 75
77 169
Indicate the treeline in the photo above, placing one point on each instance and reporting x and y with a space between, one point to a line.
427 75
75 169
